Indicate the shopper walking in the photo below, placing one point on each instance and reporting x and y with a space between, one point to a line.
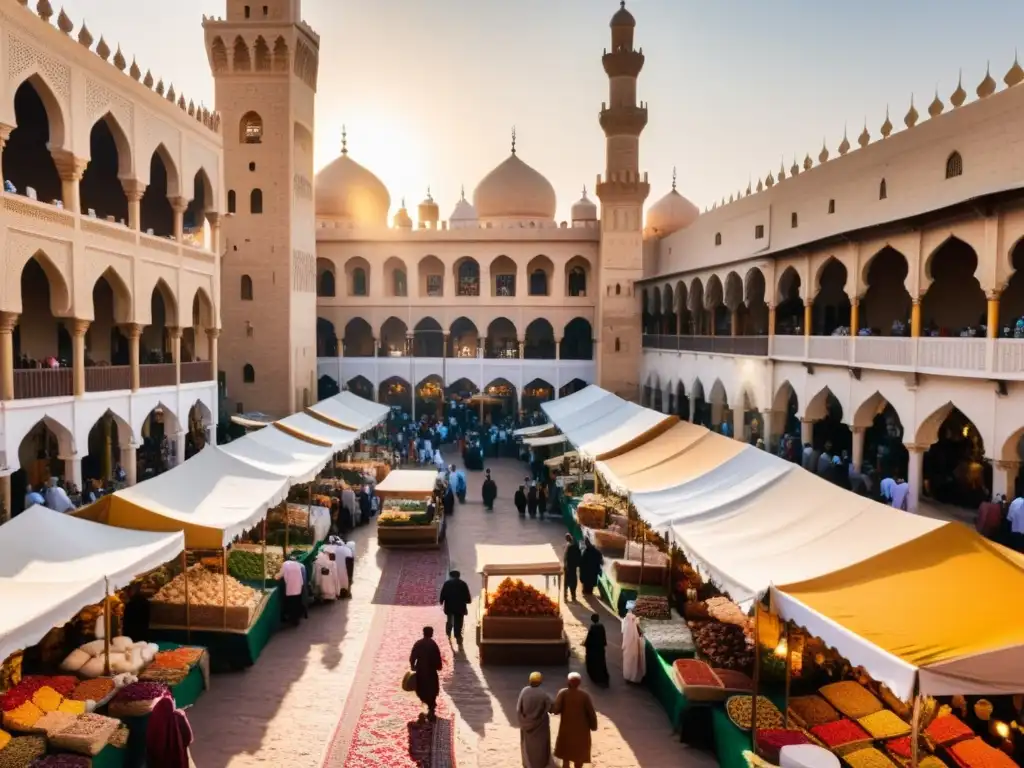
531 500
595 645
455 599
579 718
590 567
489 491
571 563
533 710
520 501
425 661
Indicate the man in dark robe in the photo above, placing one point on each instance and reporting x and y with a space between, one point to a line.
520 501
455 599
542 500
425 661
489 492
449 500
595 644
531 500
571 563
590 567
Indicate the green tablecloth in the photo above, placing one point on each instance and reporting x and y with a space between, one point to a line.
569 504
230 649
660 679
730 741
618 594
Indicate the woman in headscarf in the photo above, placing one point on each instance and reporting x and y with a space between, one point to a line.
595 645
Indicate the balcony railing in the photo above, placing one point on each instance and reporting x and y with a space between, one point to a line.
157 375
108 378
30 383
194 373
944 356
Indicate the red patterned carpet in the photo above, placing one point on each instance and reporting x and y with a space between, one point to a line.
388 731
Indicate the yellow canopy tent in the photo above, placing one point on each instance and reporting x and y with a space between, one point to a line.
937 610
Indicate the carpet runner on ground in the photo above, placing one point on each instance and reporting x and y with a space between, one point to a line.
388 731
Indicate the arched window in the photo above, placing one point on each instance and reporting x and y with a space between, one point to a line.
469 278
359 282
618 345
326 284
718 238
256 201
954 166
248 374
250 130
618 289
246 288
538 283
231 201
882 191
577 282
400 286
794 220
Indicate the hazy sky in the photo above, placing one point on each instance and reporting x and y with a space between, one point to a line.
430 89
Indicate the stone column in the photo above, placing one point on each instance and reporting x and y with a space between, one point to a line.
690 407
558 349
1004 478
175 334
716 414
444 348
915 319
134 333
7 322
993 314
808 316
739 424
410 345
734 320
214 218
857 455
339 343
5 491
78 329
806 432
915 478
213 334
5 134
179 205
768 428
771 320
179 448
854 316
129 463
134 191
72 469
70 169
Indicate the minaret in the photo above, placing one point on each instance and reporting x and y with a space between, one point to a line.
264 60
622 192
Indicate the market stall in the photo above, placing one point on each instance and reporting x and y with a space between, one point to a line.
519 623
351 412
404 522
317 431
280 453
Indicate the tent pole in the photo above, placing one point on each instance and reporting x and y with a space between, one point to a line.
264 588
915 727
106 626
224 582
757 676
188 612
286 527
789 674
309 507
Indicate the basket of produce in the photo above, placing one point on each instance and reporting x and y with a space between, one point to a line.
405 505
724 646
206 593
22 750
809 711
740 711
591 515
652 607
391 518
648 554
770 741
668 636
867 757
697 680
99 690
519 611
851 698
884 724
726 611
735 682
168 677
248 566
137 699
87 735
610 543
630 572
841 733
177 658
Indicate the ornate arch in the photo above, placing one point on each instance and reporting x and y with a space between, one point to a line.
55 112
125 150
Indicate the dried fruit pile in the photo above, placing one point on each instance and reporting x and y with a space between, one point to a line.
724 646
652 607
205 588
95 690
22 750
517 598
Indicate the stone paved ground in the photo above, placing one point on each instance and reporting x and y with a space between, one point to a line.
284 710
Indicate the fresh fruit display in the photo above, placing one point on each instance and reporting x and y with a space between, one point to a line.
205 588
248 566
405 505
394 517
723 646
652 607
517 598
21 751
726 611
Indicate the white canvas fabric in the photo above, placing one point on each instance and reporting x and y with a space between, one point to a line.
563 406
279 453
303 423
352 411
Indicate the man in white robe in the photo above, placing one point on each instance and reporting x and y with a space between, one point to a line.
634 663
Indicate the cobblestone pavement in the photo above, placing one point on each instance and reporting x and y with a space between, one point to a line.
285 710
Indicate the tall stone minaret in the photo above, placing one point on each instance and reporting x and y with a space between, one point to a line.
265 61
622 192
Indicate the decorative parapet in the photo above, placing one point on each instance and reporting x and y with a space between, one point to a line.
202 115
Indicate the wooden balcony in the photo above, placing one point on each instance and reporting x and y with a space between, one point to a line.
194 373
30 383
108 378
156 375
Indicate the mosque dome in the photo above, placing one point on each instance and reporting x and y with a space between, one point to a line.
622 17
671 213
464 214
514 190
428 213
402 219
584 209
346 190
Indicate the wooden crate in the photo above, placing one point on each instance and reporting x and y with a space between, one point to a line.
521 627
523 653
409 536
200 616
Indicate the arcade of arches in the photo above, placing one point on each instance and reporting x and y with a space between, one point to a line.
946 462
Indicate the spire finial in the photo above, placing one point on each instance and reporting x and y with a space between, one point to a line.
622 4
462 191
403 202
584 191
429 198
344 140
673 178
513 139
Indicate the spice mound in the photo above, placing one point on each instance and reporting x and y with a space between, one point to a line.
517 598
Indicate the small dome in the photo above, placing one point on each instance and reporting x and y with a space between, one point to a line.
514 190
428 212
622 17
672 213
464 214
348 191
584 209
402 219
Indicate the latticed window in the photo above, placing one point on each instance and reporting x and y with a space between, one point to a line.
251 129
435 285
469 279
759 232
505 285
954 166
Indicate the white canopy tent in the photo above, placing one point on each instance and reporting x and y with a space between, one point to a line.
626 425
280 453
557 410
534 431
52 565
547 440
351 411
309 427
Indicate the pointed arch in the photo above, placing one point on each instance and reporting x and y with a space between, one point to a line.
122 294
784 395
718 394
865 414
281 55
203 312
219 55
125 159
817 406
954 165
261 55
54 110
927 432
60 292
170 301
202 191
240 59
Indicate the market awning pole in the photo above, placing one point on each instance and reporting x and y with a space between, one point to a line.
309 508
188 611
106 626
789 674
757 676
224 582
286 526
264 588
915 728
